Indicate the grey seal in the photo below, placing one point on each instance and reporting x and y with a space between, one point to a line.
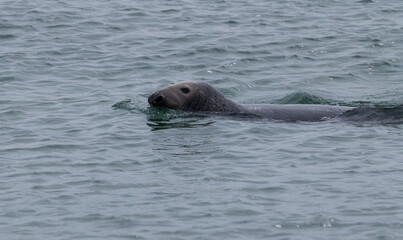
202 97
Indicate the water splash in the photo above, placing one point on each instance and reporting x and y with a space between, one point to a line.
123 105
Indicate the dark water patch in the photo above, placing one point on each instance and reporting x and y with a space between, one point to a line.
7 36
60 52
36 11
148 58
132 9
57 26
311 39
170 11
46 147
308 58
232 22
361 56
211 50
183 39
92 23
9 26
381 64
114 28
369 39
135 13
143 66
12 113
182 53
267 190
6 79
390 11
182 68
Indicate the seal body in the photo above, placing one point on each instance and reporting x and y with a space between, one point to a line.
201 97
296 112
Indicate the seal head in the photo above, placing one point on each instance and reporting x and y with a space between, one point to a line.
192 97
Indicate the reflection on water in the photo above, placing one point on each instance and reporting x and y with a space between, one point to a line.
179 123
179 139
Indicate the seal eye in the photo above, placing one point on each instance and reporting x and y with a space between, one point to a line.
185 90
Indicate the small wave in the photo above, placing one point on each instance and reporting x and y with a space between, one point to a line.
171 10
303 98
59 26
189 123
366 1
211 50
182 68
231 22
387 115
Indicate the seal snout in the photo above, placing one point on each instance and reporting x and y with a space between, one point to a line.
156 99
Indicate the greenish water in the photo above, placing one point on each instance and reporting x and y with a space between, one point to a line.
82 156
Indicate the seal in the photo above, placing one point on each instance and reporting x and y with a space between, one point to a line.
202 97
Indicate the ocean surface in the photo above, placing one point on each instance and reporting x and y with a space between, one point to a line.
83 156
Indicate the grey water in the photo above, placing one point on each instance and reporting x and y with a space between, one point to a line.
83 156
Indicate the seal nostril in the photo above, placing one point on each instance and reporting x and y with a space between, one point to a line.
156 99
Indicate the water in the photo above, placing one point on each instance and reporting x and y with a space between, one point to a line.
83 157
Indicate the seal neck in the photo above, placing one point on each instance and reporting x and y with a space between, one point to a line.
214 101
